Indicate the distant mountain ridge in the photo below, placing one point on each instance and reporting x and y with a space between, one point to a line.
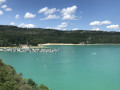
12 35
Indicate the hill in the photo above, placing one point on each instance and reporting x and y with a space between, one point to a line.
12 35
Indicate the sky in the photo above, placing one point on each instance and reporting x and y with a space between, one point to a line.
62 14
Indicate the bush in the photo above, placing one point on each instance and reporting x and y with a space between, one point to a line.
10 80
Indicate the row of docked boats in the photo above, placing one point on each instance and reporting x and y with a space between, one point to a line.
28 50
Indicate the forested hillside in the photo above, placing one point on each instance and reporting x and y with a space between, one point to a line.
10 80
12 35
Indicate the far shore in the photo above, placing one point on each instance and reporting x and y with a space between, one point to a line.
73 44
28 46
50 44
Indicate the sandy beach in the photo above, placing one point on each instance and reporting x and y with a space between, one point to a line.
73 44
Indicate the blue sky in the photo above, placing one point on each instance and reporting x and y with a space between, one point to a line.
62 14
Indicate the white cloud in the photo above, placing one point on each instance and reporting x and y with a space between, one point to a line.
74 29
43 10
95 29
4 6
8 9
46 10
69 13
26 25
48 28
17 16
68 17
1 13
63 25
29 25
2 1
95 23
29 15
106 22
113 27
64 29
50 17
59 27
12 23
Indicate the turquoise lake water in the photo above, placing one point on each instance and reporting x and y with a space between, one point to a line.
93 67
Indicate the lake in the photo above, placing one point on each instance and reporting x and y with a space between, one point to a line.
92 67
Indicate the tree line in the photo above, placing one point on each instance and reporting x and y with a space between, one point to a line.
12 35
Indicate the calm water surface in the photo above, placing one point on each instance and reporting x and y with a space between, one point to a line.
95 67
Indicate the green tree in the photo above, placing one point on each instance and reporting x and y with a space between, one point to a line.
43 87
10 80
31 83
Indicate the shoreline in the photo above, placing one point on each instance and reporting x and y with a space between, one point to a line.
48 44
58 44
42 47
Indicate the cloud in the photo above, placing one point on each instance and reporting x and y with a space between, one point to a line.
106 22
59 27
46 10
63 25
26 25
12 23
43 10
48 28
8 9
113 27
95 29
50 17
17 16
69 13
4 6
64 29
2 1
97 23
74 29
66 13
1 13
29 15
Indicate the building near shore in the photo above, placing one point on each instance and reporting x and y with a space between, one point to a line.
24 46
